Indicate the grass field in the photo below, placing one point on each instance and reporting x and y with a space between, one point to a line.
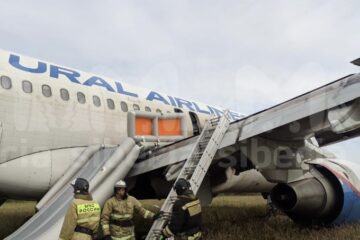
228 217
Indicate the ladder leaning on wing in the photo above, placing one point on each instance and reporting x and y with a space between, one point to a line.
195 167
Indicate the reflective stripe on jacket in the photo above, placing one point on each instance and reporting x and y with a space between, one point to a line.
121 210
83 212
185 220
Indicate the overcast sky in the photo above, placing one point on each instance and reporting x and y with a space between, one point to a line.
244 55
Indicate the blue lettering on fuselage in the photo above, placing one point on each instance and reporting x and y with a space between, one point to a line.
216 111
156 96
121 90
74 76
182 102
172 101
235 116
98 82
14 61
198 109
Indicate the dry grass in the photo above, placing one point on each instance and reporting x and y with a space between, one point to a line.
245 218
227 218
13 214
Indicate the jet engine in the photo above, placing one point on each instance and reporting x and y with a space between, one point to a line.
330 197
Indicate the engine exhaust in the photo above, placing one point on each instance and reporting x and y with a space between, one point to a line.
307 197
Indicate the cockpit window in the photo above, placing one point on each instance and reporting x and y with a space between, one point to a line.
5 82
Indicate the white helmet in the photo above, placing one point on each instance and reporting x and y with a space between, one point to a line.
120 184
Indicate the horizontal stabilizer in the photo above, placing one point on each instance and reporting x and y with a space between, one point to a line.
356 62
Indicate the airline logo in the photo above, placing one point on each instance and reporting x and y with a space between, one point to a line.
76 77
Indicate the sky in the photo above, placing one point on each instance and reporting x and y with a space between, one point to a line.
245 55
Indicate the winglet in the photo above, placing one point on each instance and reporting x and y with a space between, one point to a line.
356 62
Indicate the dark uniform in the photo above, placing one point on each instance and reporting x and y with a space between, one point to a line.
82 218
185 223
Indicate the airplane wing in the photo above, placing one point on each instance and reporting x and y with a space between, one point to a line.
283 143
330 114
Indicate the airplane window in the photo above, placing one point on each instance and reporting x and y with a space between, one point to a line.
158 111
46 90
5 82
168 111
64 94
110 103
124 106
81 97
136 107
27 86
96 101
147 109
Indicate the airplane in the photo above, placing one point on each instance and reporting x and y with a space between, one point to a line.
49 114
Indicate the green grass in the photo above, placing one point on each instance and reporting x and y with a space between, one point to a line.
13 214
228 217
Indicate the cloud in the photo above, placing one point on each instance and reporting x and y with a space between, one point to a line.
246 55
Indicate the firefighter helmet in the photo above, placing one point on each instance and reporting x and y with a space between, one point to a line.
80 185
182 186
120 184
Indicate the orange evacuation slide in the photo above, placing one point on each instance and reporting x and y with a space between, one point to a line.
144 126
169 127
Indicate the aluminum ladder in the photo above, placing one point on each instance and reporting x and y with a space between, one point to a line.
195 167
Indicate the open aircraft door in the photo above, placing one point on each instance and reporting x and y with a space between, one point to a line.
195 122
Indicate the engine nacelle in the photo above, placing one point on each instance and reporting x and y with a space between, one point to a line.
330 197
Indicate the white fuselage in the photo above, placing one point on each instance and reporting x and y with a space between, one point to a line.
49 113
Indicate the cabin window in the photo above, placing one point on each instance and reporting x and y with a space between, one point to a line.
27 86
5 82
136 107
158 111
124 106
147 109
64 94
81 98
111 104
96 101
46 90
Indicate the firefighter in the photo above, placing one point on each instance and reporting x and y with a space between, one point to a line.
83 216
185 222
117 216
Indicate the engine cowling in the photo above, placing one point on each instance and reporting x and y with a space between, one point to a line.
330 197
